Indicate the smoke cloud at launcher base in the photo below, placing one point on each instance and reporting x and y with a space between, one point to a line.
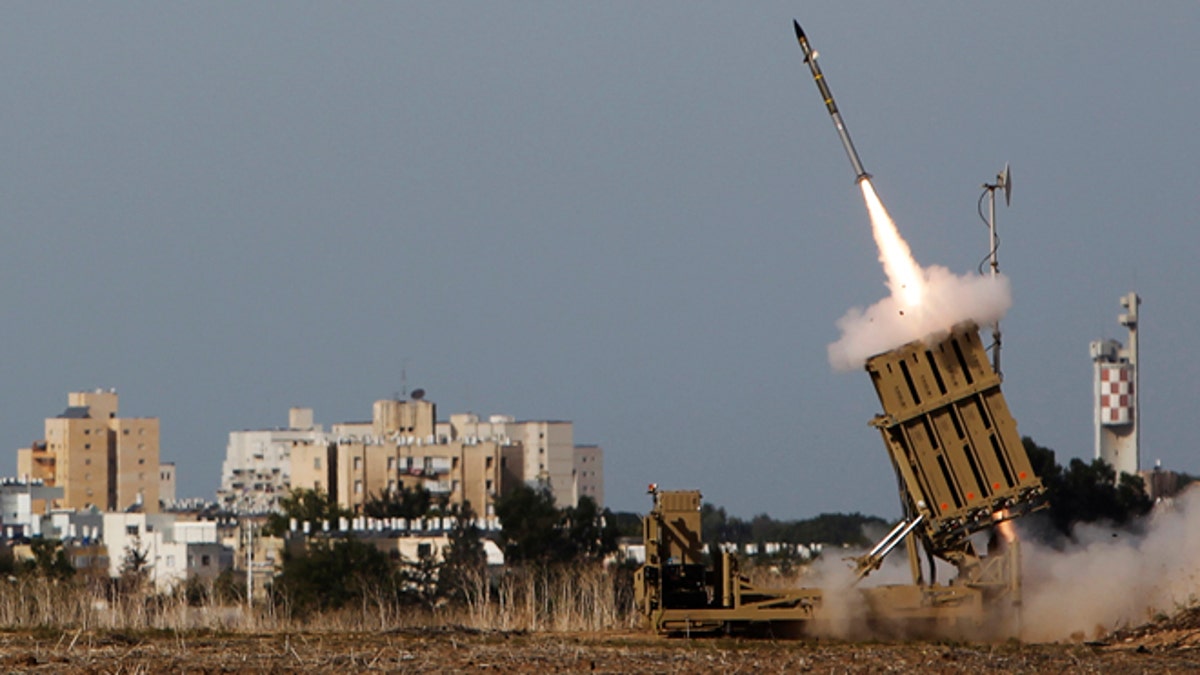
1109 579
948 300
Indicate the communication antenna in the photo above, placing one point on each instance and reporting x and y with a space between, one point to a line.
1003 182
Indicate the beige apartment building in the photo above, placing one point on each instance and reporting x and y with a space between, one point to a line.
404 446
550 455
353 472
399 449
99 459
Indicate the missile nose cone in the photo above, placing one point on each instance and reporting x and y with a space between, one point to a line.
799 30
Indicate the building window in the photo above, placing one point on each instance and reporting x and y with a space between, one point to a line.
87 462
424 550
170 561
489 485
454 463
86 432
489 462
125 432
358 487
141 460
391 465
316 462
358 463
205 560
131 530
87 446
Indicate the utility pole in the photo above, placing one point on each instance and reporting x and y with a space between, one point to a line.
1003 182
249 563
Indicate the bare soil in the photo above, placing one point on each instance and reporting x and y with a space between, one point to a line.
1170 646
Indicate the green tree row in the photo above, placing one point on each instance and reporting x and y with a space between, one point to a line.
333 571
834 529
1086 492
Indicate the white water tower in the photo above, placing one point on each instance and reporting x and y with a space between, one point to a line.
1116 394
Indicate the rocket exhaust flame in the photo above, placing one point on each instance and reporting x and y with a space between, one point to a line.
1004 526
905 277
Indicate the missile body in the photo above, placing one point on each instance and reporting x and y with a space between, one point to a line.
810 57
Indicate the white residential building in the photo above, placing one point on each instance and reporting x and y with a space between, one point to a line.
19 502
174 550
257 469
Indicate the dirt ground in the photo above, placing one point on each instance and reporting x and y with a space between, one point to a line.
1168 647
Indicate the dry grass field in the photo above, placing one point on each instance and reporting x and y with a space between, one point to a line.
540 624
1171 646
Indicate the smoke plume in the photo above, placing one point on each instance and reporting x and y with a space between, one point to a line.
925 303
948 300
1111 579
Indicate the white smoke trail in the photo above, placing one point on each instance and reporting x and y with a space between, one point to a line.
902 270
925 303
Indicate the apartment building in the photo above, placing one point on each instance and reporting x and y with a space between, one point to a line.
257 469
550 454
99 460
587 473
174 550
402 451
404 446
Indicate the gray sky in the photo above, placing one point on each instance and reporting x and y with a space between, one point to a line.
635 216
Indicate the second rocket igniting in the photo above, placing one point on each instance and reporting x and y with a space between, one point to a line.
810 57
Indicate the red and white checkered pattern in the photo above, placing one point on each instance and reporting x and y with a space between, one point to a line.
1116 394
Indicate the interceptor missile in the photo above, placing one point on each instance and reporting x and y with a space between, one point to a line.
810 57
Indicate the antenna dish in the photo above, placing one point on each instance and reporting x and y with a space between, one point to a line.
418 394
1005 181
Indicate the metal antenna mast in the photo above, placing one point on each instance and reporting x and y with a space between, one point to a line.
1003 182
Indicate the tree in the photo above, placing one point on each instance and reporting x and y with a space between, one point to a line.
533 529
135 567
463 559
1086 492
331 574
627 523
304 505
828 528
401 503
529 524
591 534
50 559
